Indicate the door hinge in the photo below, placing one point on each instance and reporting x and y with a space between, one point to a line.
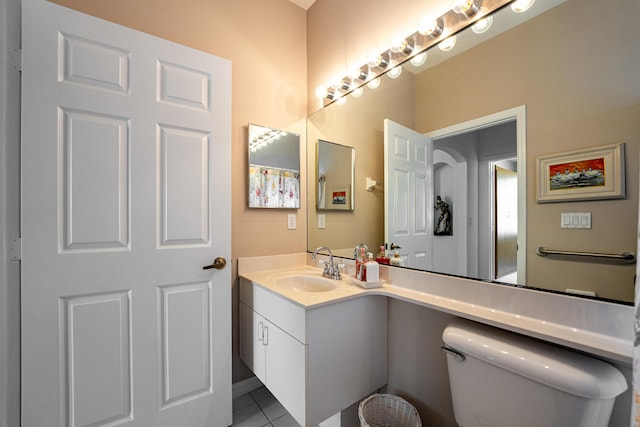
15 249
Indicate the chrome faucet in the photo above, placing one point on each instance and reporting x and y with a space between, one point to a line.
330 268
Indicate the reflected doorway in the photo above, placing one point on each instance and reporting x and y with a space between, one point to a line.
496 221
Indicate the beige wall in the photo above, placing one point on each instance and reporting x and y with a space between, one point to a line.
340 34
266 43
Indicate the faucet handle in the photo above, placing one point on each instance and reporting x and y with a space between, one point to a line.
327 268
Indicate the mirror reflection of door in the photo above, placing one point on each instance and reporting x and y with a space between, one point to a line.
408 194
506 224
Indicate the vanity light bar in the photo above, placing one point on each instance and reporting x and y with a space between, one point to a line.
431 32
265 139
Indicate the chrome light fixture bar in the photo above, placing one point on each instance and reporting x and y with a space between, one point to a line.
430 33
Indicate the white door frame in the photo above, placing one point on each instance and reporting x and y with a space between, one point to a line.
10 212
518 114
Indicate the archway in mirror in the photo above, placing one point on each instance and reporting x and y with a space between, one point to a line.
472 169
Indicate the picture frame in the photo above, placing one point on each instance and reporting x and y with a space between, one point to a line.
596 173
339 198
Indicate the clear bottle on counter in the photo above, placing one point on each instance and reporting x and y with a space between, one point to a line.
360 260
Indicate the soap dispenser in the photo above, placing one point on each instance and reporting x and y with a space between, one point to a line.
370 270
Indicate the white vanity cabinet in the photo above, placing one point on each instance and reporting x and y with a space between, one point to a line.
276 358
316 361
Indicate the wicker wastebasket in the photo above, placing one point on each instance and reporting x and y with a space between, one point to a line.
387 410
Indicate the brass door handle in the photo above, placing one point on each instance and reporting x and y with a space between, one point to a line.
218 263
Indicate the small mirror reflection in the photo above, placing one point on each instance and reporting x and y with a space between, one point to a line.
335 176
274 168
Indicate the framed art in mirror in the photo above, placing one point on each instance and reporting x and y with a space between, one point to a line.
587 174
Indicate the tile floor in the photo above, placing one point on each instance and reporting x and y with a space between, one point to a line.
259 408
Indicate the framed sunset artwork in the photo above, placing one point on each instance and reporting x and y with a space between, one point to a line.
588 174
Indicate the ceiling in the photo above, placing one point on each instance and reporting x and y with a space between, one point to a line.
305 4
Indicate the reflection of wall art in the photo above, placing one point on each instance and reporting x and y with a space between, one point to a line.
339 198
590 174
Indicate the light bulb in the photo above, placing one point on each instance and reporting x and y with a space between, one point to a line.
373 84
466 7
520 6
482 25
430 26
321 91
419 59
357 93
395 72
447 44
400 45
372 58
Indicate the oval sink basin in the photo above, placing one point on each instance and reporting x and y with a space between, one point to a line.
304 283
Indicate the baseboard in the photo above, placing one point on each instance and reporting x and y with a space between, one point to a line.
245 386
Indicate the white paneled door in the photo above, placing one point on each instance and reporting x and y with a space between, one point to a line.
125 197
408 194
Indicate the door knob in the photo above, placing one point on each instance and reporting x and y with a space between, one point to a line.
218 263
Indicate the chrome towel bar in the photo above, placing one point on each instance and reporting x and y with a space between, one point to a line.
627 257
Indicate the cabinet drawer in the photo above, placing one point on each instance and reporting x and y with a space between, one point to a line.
288 316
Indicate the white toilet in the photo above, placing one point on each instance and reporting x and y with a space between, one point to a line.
501 379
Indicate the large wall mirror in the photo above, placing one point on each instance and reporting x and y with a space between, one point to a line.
274 168
564 78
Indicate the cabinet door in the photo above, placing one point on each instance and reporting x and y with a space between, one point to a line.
252 346
286 370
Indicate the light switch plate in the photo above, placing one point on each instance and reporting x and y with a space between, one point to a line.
321 221
291 221
575 220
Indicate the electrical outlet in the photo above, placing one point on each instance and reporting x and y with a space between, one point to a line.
321 221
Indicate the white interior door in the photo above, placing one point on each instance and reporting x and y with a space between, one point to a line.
408 193
125 197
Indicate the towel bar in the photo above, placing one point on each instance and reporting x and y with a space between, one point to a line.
627 257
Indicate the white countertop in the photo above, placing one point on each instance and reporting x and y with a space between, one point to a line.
601 328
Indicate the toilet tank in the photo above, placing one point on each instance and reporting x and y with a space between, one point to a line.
508 380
